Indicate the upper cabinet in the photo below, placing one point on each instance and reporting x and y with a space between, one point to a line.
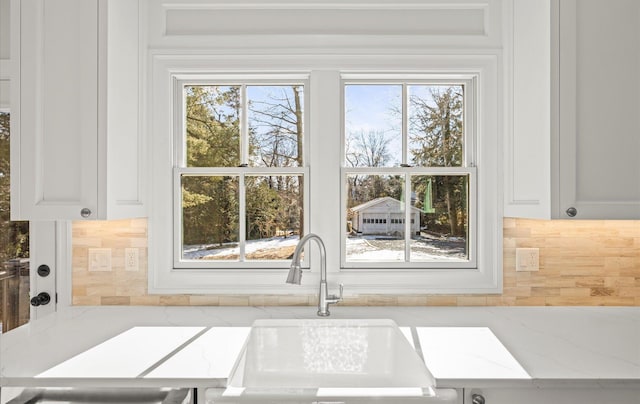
573 145
75 108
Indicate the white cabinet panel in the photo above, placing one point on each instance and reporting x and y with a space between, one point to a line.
75 103
58 108
573 90
599 108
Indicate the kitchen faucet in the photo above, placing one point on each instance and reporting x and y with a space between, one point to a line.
295 274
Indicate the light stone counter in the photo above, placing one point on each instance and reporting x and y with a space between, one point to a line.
545 346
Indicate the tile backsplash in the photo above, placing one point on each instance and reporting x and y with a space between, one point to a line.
582 263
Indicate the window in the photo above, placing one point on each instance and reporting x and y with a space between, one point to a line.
14 246
240 172
240 196
408 160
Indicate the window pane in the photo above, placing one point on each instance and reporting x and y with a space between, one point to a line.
212 126
373 125
275 125
440 205
210 217
14 246
375 218
435 126
274 216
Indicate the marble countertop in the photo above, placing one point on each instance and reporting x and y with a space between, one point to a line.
545 346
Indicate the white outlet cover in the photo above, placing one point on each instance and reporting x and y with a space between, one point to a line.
131 258
527 259
100 259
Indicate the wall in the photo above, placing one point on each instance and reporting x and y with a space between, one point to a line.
583 263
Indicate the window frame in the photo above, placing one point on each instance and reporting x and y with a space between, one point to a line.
468 167
181 169
323 136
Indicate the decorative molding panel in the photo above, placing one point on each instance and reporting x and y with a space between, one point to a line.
320 19
192 24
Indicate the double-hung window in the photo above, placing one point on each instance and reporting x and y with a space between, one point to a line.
409 177
394 162
241 172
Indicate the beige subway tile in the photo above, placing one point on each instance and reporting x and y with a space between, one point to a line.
620 281
149 300
531 301
100 290
575 292
602 291
204 300
355 301
611 301
560 282
516 291
589 281
115 301
131 290
86 300
472 301
629 291
546 292
501 300
79 290
228 300
174 300
442 301
382 300
412 300
517 232
568 301
293 300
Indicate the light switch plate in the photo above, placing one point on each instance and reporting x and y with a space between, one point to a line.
527 259
100 259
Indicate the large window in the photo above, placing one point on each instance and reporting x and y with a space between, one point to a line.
240 175
393 162
409 174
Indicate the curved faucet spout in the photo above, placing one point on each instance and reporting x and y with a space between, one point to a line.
295 273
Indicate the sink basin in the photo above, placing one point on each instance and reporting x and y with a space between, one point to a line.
327 355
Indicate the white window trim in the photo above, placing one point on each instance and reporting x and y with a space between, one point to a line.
324 137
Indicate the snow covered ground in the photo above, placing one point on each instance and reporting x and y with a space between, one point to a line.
213 251
364 248
370 248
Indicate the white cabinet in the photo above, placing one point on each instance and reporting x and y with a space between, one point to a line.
556 395
76 110
574 137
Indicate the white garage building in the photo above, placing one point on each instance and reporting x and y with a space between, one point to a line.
383 216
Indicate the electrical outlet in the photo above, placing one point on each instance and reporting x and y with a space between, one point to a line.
527 259
100 259
131 259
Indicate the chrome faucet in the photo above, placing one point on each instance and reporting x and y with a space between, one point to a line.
295 274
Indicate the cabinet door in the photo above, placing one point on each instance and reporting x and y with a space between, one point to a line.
599 109
582 395
58 109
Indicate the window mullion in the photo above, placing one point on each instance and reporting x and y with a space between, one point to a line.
407 217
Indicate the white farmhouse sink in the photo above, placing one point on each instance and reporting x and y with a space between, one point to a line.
329 355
